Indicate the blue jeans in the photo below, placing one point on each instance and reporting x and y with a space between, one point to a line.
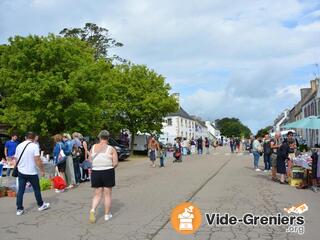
34 180
199 151
184 151
8 172
76 166
256 156
267 161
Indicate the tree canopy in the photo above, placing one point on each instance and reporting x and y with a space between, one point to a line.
51 84
140 98
263 131
97 37
233 127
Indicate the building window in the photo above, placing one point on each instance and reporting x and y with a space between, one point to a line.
169 121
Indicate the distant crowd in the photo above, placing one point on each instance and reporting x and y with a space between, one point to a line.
181 147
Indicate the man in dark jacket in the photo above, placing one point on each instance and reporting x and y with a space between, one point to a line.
282 157
267 153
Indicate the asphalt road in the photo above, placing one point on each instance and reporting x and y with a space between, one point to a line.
144 197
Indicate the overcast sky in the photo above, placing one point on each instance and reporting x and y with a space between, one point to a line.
245 59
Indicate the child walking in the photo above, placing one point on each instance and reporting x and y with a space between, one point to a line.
162 154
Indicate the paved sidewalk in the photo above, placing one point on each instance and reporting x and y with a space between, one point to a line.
144 197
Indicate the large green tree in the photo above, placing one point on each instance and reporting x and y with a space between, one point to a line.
140 99
50 84
233 127
97 37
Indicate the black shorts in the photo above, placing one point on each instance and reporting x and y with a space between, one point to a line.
103 178
62 166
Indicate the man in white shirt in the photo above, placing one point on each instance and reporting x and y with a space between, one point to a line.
27 168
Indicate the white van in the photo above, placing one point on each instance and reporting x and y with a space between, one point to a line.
141 142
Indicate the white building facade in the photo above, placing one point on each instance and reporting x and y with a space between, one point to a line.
311 107
181 124
212 129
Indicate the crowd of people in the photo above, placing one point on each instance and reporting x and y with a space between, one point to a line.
277 154
74 163
71 156
181 147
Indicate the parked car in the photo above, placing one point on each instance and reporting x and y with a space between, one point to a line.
123 151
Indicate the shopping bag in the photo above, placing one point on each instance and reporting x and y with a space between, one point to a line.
59 183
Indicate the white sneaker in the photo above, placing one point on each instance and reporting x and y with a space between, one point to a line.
59 191
44 206
107 217
265 171
20 212
258 170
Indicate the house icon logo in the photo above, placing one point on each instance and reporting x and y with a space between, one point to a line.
186 218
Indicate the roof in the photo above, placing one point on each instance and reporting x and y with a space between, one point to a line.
200 122
309 98
181 113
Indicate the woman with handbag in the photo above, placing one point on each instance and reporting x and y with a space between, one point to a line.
104 160
59 157
67 149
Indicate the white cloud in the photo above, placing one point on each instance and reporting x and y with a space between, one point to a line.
225 57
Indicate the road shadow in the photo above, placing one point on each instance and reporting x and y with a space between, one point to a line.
115 208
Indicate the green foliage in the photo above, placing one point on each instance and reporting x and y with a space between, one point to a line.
233 127
263 131
97 37
140 98
50 84
53 84
45 184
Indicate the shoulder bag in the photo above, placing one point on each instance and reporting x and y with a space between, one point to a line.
15 169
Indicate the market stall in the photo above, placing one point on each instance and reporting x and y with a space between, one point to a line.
300 170
305 168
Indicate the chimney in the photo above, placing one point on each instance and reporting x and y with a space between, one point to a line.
177 97
313 84
304 92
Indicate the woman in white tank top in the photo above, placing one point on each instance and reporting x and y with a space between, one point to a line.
104 160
